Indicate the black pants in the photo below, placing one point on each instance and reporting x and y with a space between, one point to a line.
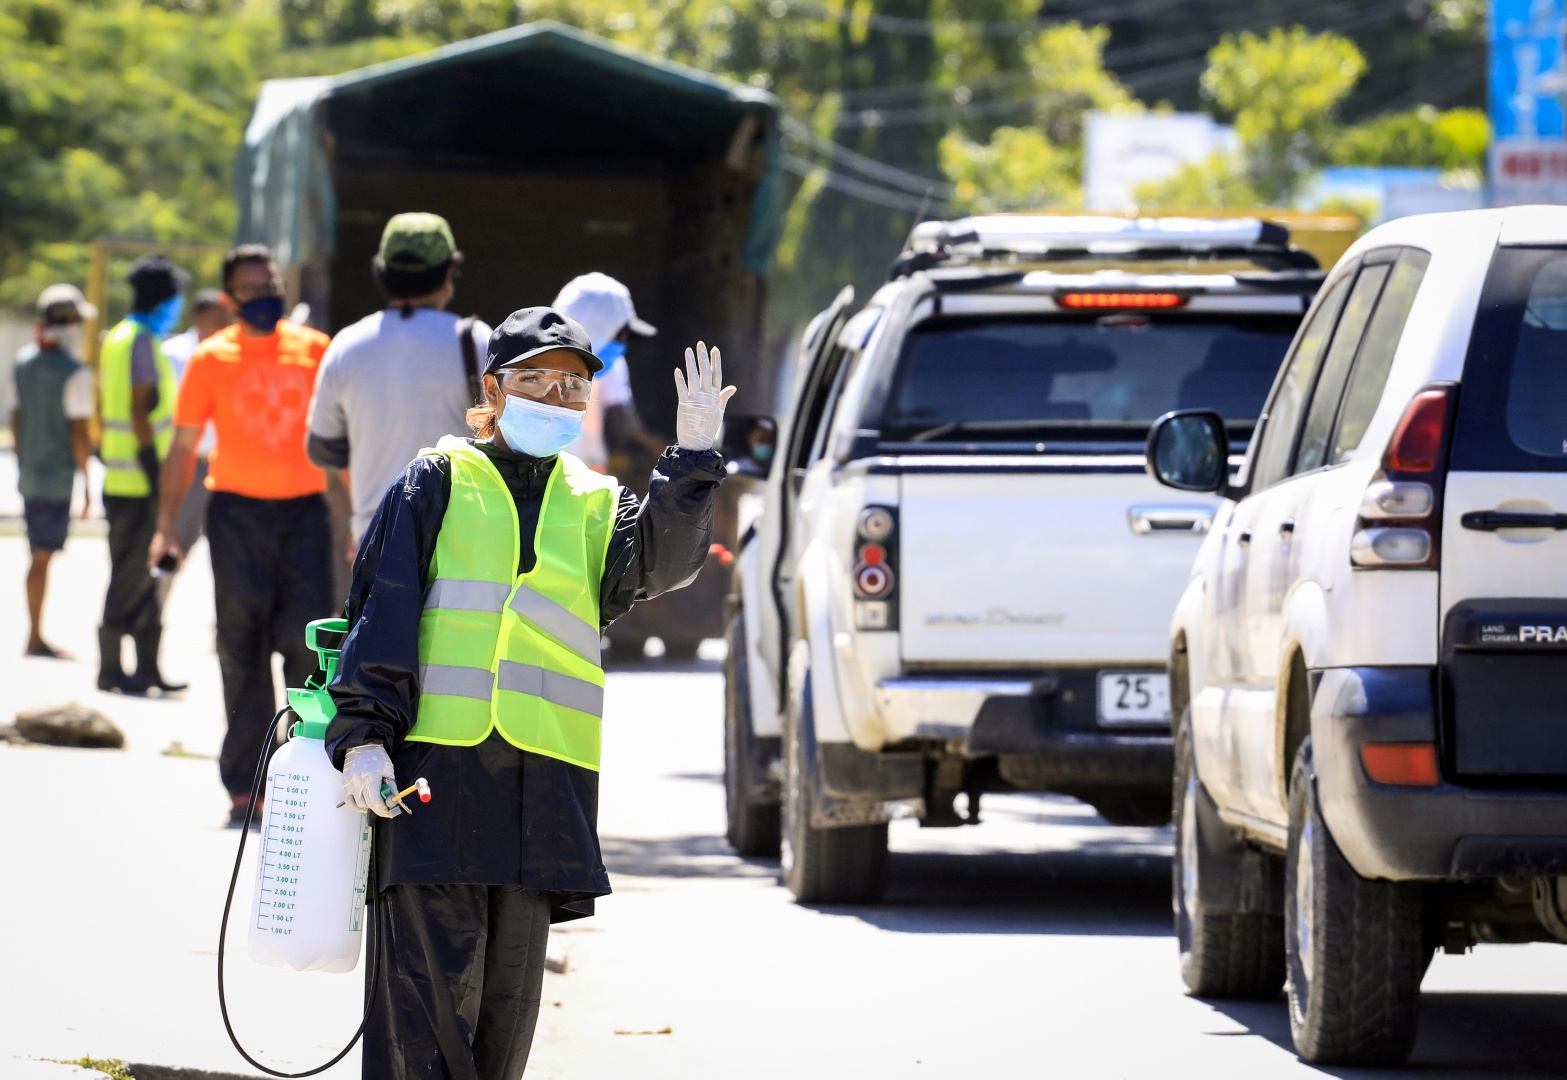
271 574
193 511
131 604
460 984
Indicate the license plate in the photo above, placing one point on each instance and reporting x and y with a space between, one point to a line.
1134 697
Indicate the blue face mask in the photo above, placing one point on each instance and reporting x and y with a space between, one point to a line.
162 319
264 312
609 354
532 427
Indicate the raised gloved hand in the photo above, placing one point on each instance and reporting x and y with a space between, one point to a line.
364 770
702 398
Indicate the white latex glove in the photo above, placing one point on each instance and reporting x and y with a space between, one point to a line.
364 769
701 410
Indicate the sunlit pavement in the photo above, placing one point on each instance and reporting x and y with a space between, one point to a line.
1036 944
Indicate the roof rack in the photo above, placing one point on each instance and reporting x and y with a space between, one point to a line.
1025 238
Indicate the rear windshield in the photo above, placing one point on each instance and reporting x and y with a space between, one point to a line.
1091 379
1512 405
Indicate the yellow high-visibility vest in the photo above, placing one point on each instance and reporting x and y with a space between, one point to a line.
518 654
122 472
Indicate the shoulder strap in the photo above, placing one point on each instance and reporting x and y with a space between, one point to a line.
470 357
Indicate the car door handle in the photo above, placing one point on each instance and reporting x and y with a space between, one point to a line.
1145 520
1491 520
1287 527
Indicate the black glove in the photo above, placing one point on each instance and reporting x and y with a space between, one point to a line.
147 456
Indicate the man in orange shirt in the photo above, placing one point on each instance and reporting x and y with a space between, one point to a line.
268 529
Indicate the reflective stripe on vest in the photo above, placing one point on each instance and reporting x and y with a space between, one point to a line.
559 623
508 653
122 471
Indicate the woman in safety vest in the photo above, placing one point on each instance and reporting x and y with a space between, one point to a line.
479 598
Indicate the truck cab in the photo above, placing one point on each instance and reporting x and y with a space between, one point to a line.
960 575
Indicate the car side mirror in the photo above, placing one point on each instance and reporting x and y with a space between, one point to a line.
1189 451
748 444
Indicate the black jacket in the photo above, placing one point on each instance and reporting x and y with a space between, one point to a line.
498 815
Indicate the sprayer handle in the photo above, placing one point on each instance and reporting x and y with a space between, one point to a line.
328 655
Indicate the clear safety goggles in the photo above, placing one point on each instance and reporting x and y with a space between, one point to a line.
540 383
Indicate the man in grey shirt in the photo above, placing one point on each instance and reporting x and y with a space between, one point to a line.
394 382
54 401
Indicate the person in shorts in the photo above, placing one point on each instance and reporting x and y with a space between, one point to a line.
54 400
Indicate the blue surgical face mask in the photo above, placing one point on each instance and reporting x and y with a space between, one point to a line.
162 319
263 312
609 354
532 427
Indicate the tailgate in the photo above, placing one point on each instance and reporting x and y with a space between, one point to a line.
1038 566
1504 529
1504 635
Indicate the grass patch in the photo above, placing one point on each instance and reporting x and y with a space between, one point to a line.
115 1069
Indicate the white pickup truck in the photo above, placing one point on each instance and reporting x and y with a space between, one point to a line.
961 576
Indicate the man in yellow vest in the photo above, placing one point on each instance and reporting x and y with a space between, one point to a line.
137 388
480 593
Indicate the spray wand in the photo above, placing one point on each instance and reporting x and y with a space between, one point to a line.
421 785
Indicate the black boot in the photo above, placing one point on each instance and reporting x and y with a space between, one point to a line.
111 677
147 674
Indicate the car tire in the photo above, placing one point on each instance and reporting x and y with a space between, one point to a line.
1224 954
1355 948
753 824
841 865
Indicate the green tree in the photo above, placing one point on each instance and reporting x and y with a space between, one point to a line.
1039 166
1220 181
117 117
1450 140
1017 168
1282 92
123 117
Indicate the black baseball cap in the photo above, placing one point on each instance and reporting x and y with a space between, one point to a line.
536 330
153 279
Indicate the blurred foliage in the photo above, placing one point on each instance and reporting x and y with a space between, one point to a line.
116 117
1417 51
1282 92
1219 181
1426 137
123 116
1459 14
1017 168
1039 166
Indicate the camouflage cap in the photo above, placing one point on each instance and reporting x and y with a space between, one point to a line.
417 242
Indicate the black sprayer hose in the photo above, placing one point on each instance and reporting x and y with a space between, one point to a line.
379 936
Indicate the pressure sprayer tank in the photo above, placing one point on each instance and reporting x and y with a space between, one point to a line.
309 909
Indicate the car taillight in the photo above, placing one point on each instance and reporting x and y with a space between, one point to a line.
875 573
1417 441
1401 764
1120 300
1400 524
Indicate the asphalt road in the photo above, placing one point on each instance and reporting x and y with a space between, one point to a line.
1037 943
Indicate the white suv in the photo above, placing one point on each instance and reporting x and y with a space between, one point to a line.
1370 659
962 577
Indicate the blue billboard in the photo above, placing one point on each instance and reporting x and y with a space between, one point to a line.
1527 75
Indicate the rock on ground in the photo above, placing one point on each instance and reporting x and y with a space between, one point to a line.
70 725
